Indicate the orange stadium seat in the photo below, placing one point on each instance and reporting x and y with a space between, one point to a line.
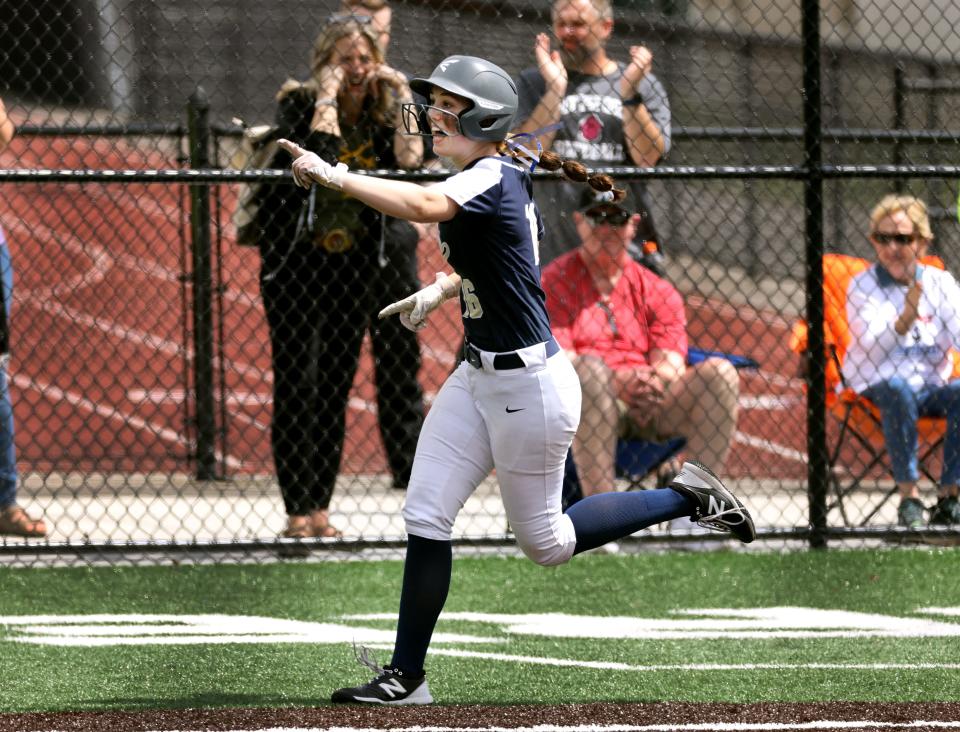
860 428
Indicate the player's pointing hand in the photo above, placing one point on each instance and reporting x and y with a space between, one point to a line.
293 148
404 308
309 168
413 310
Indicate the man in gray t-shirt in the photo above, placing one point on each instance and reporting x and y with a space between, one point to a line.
611 113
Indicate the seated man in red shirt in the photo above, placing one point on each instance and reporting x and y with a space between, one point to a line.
624 328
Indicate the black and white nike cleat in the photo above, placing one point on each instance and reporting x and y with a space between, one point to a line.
717 508
391 687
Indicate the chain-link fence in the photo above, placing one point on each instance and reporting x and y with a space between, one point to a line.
172 388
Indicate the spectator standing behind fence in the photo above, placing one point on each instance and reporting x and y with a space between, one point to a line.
624 328
610 113
13 519
904 318
327 264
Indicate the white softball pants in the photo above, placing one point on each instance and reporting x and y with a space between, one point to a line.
518 421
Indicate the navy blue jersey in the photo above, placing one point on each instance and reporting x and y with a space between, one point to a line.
492 243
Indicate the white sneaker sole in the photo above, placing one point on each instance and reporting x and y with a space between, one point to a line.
420 695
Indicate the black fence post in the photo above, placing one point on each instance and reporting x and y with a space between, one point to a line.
198 109
817 477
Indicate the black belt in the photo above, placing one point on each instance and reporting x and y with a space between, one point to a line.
503 361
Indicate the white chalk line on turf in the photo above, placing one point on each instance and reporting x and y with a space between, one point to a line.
819 724
616 666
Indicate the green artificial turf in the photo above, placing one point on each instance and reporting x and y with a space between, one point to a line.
894 582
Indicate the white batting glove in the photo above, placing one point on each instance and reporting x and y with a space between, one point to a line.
330 176
309 168
414 309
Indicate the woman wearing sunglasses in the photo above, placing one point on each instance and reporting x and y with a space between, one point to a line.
904 319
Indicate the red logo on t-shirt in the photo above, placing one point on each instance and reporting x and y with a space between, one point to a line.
590 127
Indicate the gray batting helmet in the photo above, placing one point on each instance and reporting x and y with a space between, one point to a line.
486 85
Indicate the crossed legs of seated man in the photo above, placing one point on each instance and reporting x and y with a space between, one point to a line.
700 404
900 408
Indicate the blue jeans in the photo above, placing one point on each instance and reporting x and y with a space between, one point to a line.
8 452
900 408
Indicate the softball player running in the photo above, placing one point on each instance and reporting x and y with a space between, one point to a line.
514 402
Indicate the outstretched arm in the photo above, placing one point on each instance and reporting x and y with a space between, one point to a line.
397 198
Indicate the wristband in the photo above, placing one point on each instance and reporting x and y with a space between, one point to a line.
326 102
635 101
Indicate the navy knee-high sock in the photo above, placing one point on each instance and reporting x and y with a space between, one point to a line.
426 581
604 517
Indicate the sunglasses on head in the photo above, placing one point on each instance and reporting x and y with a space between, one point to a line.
900 239
338 18
613 217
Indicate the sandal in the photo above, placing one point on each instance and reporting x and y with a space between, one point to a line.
321 526
15 522
298 527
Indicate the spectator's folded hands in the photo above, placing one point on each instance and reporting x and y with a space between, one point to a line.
640 389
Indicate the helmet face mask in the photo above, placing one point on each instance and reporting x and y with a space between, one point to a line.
489 89
416 120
